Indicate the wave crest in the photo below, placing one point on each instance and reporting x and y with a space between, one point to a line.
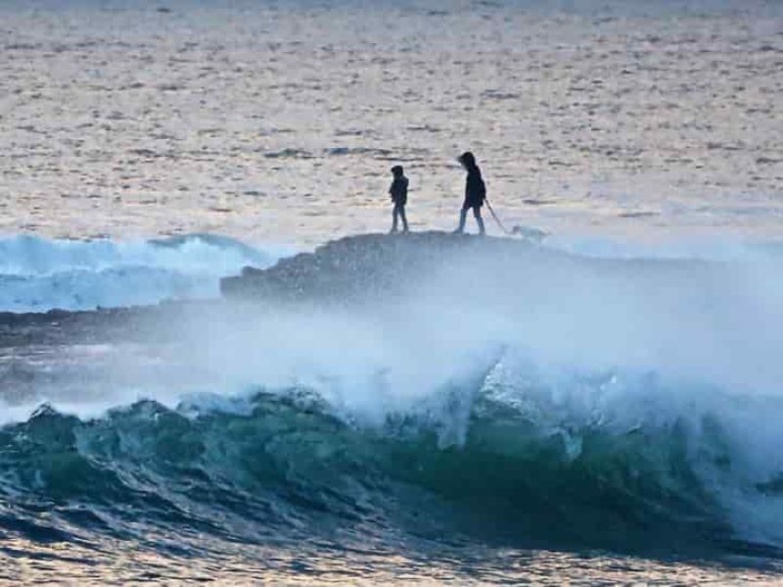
288 460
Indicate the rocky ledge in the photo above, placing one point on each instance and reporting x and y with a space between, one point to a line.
444 268
366 267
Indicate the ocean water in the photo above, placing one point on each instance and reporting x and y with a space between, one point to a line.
278 121
504 421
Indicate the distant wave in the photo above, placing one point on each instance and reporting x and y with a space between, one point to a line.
38 274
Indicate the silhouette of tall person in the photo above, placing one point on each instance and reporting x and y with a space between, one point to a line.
475 193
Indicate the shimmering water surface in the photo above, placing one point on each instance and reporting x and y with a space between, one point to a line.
278 121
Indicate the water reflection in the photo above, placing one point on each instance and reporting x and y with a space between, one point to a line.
120 562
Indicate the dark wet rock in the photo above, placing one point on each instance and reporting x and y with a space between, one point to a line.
449 269
366 267
63 327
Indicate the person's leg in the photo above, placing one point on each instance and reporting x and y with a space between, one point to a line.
395 211
404 219
463 214
479 220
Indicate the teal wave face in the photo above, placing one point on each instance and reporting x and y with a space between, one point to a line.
285 467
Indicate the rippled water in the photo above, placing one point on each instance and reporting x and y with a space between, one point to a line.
324 564
278 121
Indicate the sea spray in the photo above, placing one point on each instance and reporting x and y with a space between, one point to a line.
523 398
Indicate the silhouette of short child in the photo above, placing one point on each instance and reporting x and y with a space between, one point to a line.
399 196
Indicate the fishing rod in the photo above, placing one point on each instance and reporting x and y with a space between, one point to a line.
495 216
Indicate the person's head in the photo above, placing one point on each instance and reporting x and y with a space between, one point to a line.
397 171
467 159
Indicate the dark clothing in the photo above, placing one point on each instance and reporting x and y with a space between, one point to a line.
399 190
475 194
475 190
399 195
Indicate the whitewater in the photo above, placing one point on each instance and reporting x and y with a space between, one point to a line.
627 405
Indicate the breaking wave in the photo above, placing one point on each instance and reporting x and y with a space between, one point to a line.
514 456
37 274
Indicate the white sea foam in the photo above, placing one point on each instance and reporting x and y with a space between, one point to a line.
38 274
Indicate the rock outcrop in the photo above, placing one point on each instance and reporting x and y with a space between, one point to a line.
365 267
